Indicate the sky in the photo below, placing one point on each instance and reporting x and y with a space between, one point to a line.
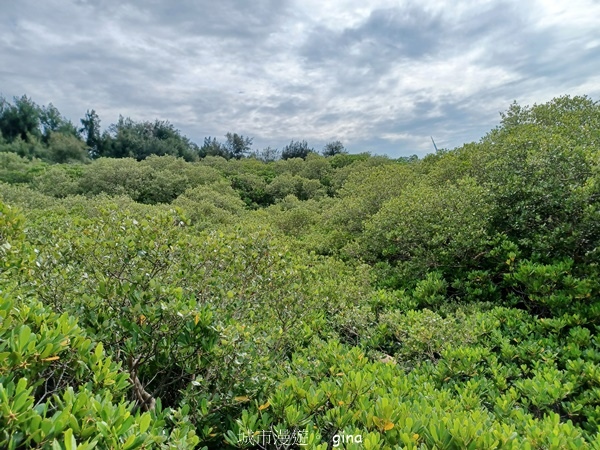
380 76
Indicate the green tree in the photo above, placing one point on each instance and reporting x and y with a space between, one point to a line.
212 147
303 188
142 139
316 167
53 122
237 145
20 119
91 132
65 148
334 148
32 148
541 165
296 149
267 154
430 228
252 189
361 196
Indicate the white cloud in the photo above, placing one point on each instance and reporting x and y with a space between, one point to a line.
383 74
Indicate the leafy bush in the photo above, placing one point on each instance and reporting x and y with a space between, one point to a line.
57 386
428 228
448 302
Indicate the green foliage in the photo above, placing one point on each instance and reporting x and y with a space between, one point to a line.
140 140
58 180
11 234
296 149
252 189
294 217
63 148
428 228
206 206
431 291
154 180
92 133
362 195
334 148
302 188
540 166
53 123
237 145
25 197
41 132
20 120
340 392
359 301
57 386
30 148
212 147
15 169
551 287
267 154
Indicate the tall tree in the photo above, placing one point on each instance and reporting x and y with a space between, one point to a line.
296 149
212 147
333 148
267 154
237 145
51 121
20 119
142 139
91 132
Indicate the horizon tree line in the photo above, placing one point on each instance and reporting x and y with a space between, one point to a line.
34 131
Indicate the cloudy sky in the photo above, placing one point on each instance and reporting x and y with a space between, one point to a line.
380 76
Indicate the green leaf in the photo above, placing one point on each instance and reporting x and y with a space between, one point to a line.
145 422
70 442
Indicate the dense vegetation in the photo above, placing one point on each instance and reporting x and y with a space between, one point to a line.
167 297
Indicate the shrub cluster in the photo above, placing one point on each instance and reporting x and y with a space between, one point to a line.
449 302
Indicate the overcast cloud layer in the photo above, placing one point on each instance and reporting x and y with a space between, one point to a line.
380 76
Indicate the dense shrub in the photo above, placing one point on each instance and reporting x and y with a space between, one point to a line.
358 301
